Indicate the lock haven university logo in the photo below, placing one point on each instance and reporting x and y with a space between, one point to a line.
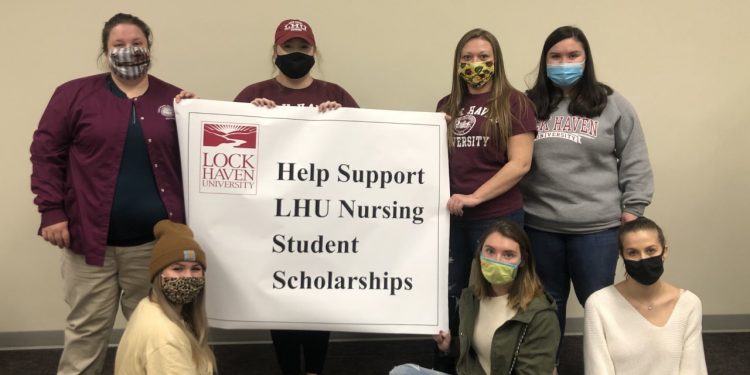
229 155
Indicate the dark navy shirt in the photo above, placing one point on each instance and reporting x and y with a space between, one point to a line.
136 206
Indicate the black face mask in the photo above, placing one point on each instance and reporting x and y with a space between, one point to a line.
295 65
645 271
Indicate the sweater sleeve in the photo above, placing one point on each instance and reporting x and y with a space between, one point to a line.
170 360
635 177
538 349
596 358
693 360
49 158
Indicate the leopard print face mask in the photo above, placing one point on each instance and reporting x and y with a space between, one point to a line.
182 290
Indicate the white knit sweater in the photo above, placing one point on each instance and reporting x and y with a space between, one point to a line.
619 340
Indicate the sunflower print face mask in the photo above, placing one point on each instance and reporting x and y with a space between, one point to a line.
476 74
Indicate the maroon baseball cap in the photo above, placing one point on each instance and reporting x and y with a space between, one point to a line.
289 29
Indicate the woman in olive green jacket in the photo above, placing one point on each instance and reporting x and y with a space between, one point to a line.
527 342
508 325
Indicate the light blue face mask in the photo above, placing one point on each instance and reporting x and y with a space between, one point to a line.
565 75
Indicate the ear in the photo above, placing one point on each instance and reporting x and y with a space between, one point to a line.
665 253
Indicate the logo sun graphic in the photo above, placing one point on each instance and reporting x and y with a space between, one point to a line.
237 135
232 128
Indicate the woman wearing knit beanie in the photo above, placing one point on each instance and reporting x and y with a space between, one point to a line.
168 331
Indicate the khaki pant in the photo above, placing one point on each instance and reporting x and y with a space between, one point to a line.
93 294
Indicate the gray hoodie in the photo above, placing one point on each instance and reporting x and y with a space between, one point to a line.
587 171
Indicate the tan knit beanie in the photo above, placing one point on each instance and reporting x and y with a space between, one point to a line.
174 243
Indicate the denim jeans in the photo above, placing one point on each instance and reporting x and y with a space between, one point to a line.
464 242
589 260
411 369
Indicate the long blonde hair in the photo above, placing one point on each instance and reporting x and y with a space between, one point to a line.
191 319
499 117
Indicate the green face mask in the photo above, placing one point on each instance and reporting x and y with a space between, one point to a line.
496 272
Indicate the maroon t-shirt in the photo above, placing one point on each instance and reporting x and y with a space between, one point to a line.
318 92
473 160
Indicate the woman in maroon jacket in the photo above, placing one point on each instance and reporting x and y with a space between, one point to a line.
106 168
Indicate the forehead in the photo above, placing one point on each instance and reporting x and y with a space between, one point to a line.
126 31
640 238
567 45
499 242
477 44
186 264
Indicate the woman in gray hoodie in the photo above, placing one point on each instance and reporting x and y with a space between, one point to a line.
590 171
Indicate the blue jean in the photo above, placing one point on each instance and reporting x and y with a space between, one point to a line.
412 369
464 242
589 260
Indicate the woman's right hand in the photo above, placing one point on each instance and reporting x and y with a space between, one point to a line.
457 202
443 340
447 118
263 102
57 234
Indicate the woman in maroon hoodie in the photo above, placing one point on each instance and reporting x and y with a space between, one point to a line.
106 168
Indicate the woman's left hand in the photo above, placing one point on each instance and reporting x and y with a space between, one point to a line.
327 106
627 216
457 202
184 95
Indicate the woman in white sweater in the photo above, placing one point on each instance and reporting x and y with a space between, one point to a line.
643 325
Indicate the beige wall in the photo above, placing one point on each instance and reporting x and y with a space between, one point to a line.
683 65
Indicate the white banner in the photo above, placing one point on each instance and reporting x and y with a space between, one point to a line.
324 221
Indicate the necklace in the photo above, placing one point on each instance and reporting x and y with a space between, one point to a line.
648 305
641 305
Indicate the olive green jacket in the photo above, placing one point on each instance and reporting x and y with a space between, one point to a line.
531 337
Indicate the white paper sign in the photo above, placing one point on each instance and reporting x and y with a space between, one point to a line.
324 221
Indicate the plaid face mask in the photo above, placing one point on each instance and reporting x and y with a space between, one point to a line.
129 63
182 290
476 74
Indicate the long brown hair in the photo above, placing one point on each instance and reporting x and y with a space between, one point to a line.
526 286
191 319
499 117
589 96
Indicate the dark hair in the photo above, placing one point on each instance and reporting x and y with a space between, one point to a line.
500 115
589 96
526 286
121 18
639 224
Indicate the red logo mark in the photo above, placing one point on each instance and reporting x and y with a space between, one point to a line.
239 136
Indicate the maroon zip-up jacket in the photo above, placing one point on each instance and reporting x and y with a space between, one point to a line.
77 149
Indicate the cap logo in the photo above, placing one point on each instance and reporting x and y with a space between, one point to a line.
188 255
295 26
